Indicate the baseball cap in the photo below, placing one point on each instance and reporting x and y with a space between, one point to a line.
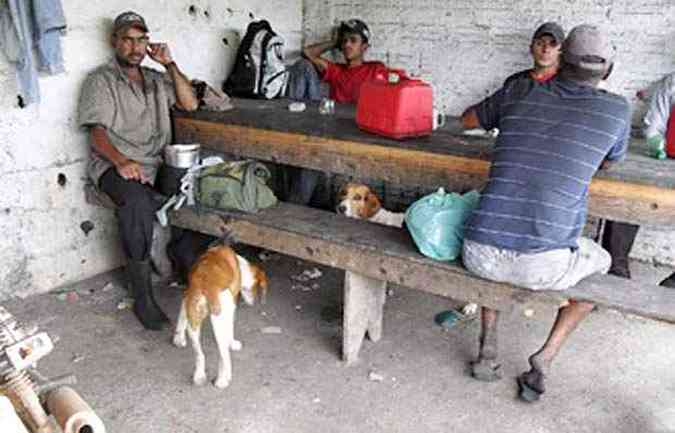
587 47
356 26
552 29
129 19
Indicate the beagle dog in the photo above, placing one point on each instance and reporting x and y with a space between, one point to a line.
214 284
356 200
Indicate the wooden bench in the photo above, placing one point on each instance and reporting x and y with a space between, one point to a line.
375 255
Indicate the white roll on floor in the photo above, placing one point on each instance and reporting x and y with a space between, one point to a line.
9 420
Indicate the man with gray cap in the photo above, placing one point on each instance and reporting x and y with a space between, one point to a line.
527 227
125 110
545 49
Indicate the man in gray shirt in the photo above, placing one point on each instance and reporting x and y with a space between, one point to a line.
125 108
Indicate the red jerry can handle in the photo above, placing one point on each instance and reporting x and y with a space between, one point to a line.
386 76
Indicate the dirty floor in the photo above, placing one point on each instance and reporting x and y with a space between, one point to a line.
616 375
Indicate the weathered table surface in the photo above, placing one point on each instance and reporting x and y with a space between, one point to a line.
639 190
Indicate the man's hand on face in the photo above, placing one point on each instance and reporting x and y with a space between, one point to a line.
160 53
131 170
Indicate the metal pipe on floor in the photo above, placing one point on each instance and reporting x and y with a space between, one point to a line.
72 413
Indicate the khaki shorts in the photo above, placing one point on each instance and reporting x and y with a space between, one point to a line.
549 270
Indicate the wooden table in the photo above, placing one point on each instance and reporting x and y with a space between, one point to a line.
639 190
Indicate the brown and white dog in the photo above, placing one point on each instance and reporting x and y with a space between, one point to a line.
356 200
214 285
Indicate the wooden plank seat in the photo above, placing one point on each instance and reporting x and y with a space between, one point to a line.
374 255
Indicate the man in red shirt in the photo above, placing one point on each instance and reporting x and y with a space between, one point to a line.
344 79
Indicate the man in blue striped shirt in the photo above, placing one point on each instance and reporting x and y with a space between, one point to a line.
527 228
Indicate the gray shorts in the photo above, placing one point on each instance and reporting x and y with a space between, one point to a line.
549 270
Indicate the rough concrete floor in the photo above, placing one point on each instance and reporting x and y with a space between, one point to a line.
615 375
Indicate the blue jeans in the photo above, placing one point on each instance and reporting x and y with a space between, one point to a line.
304 84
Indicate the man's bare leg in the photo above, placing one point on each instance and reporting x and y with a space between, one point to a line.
540 362
486 368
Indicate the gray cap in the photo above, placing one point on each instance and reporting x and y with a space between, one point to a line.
587 47
129 19
551 29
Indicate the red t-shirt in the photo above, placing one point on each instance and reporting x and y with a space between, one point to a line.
345 82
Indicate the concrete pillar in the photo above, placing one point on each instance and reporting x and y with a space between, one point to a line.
363 310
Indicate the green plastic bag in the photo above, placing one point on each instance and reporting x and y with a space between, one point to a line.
240 185
656 147
436 223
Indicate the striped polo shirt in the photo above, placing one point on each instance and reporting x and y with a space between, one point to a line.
553 137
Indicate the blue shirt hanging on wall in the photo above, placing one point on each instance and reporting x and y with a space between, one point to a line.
28 23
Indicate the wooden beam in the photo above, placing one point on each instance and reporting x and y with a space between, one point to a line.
613 199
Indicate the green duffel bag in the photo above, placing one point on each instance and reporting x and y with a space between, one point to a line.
240 185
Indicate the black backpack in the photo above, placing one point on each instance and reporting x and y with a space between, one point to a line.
259 70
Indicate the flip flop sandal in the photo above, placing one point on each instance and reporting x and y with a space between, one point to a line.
450 318
526 392
486 371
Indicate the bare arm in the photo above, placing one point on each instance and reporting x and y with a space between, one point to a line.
185 97
313 54
126 168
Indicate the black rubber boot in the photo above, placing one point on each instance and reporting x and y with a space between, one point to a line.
147 312
618 239
162 316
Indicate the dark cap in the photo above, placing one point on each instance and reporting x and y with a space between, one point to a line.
551 29
129 19
588 48
356 26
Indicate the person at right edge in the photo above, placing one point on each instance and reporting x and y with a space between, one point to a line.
618 237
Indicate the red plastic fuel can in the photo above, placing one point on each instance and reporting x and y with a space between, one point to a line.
670 134
396 106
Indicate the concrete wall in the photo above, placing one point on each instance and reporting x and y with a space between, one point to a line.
465 49
42 243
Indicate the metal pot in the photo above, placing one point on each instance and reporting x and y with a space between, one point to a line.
181 155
